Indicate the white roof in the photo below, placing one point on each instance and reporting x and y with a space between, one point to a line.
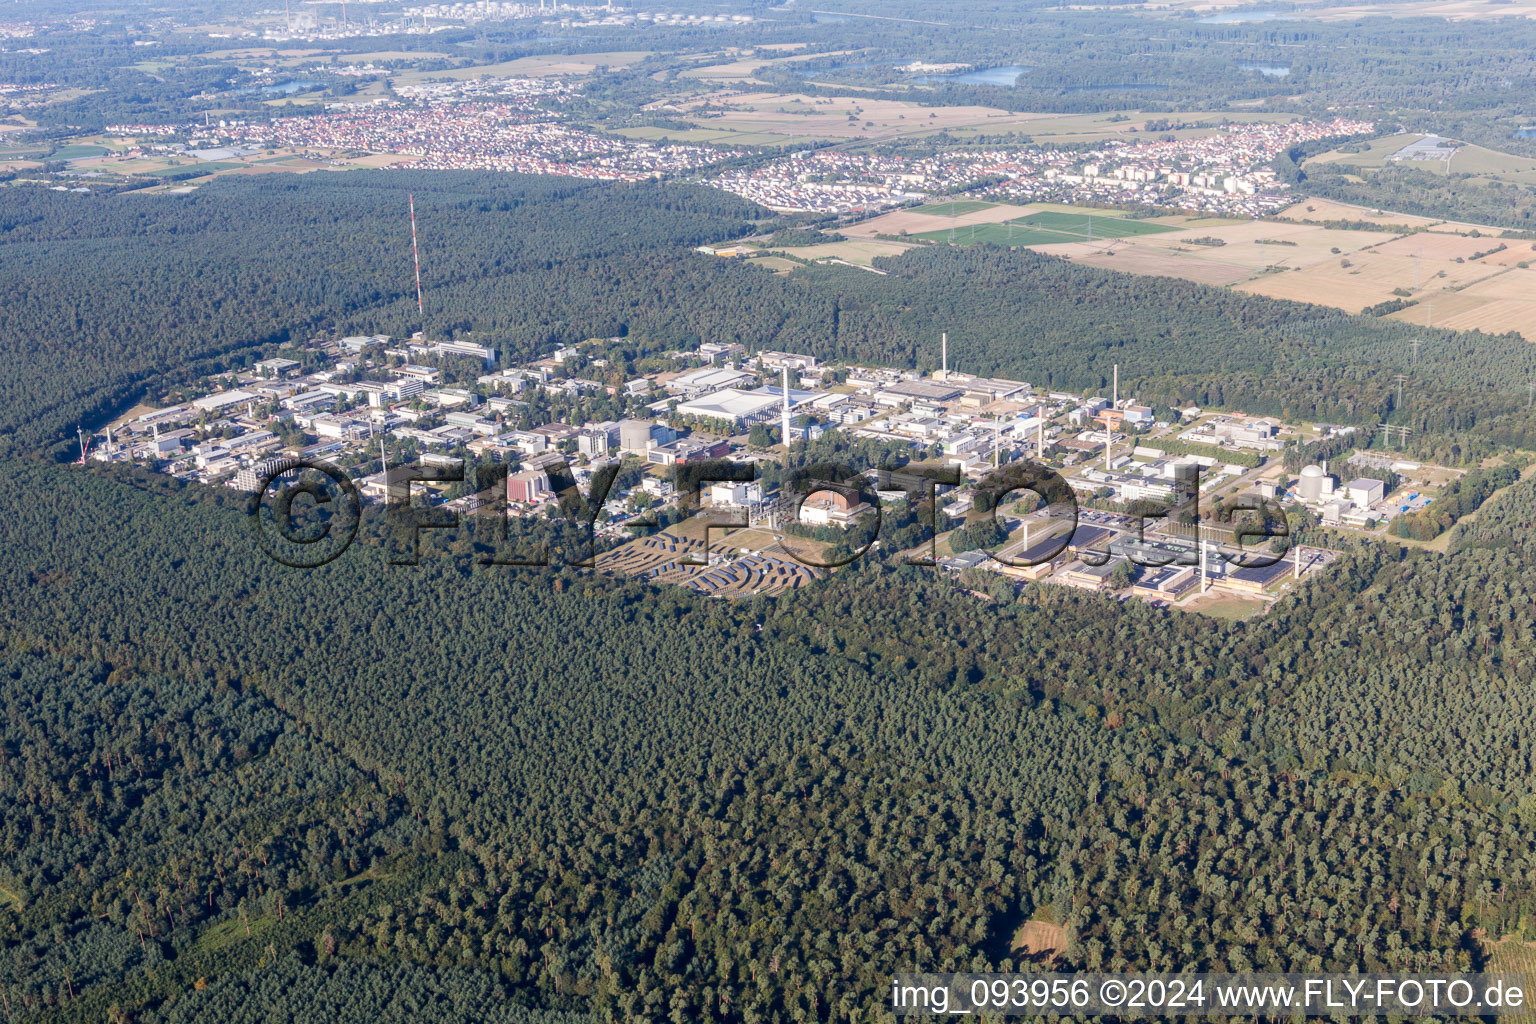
224 398
710 377
730 404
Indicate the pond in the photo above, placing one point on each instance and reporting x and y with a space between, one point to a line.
1005 74
289 88
282 88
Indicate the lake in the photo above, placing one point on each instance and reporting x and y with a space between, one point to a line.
282 88
1006 75
289 88
1267 70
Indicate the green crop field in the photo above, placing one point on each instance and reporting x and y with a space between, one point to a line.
1101 227
78 152
1046 228
956 208
998 234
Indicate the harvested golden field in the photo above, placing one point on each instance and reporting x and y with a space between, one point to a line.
846 117
1436 246
1318 210
1262 244
1455 279
1510 284
379 160
1515 253
777 264
1473 313
545 65
1137 258
1419 277
1324 285
742 69
860 251
1451 10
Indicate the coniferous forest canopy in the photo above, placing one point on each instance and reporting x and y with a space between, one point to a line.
235 791
111 297
378 792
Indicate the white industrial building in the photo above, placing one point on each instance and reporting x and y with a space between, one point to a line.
743 408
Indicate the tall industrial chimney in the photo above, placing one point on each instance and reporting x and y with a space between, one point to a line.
786 411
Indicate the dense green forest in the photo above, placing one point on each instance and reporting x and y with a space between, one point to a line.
588 794
113 297
233 790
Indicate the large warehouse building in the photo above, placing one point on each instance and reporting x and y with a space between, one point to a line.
743 408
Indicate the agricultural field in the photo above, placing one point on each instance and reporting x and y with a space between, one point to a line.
78 151
843 118
543 66
864 119
1367 154
935 217
1192 265
1453 278
955 207
1492 164
742 70
1450 10
1484 165
1092 224
862 252
1223 605
777 264
120 160
712 136
1317 211
1048 228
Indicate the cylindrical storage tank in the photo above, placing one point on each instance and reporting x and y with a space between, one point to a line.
634 435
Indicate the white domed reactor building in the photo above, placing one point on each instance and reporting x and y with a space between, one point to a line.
1315 486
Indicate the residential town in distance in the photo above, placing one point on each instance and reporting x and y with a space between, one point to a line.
1226 173
370 404
515 124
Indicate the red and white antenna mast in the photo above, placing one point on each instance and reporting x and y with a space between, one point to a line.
415 253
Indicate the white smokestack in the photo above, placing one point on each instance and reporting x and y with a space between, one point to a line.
786 410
